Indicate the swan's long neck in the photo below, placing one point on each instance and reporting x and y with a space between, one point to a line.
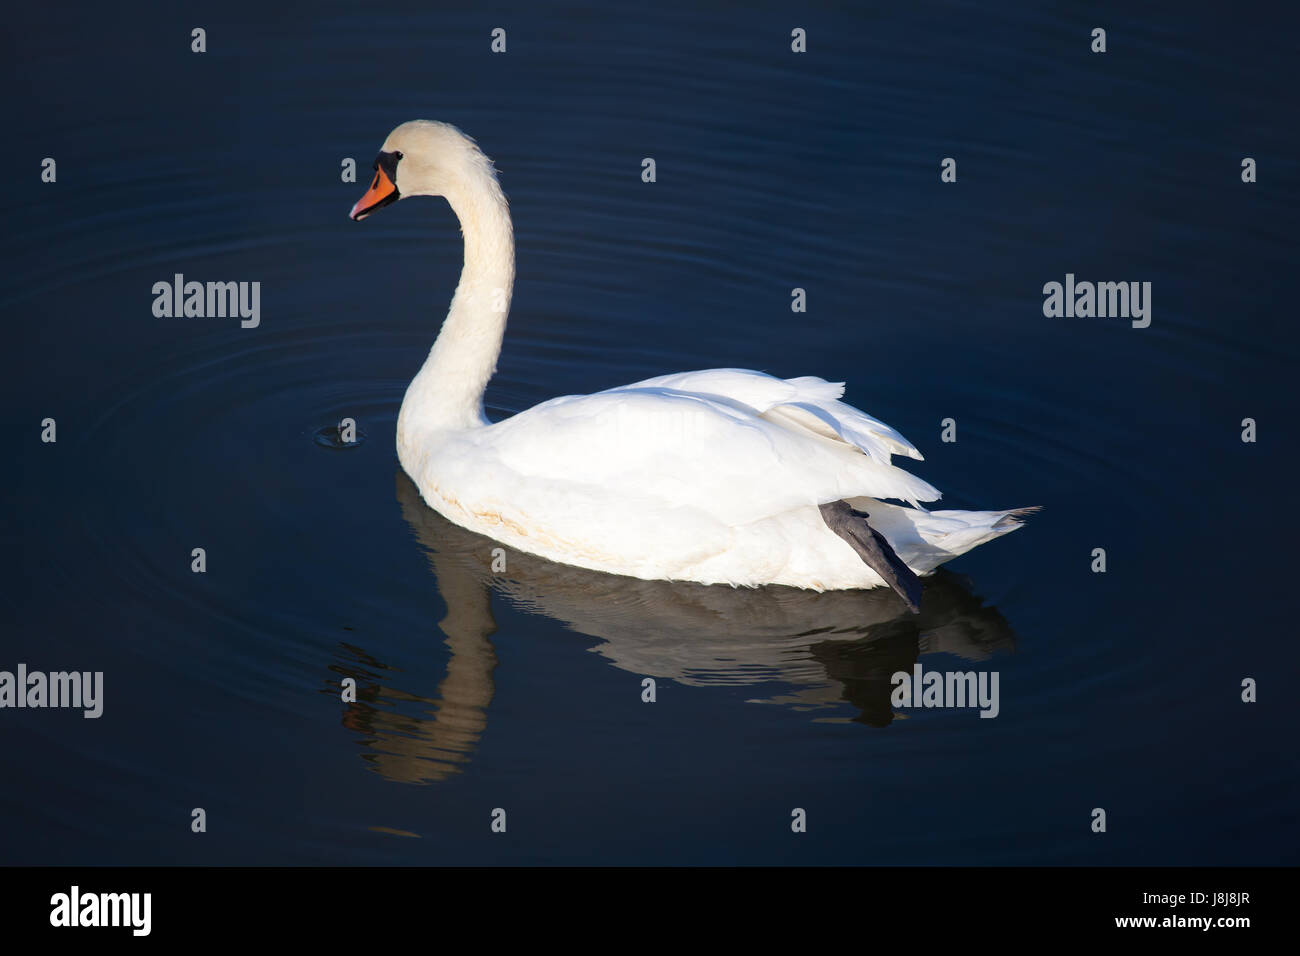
448 391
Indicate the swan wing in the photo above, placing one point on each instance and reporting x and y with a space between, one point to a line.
748 448
809 403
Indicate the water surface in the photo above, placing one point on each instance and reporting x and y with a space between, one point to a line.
522 689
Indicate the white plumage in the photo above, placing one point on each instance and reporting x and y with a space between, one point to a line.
711 476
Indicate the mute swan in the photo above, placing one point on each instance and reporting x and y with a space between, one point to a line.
725 476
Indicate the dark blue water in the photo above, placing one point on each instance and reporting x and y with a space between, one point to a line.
522 690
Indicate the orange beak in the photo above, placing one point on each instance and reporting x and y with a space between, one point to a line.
382 191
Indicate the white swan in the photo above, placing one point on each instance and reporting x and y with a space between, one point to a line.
723 476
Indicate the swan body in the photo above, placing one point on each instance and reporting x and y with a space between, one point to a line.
712 476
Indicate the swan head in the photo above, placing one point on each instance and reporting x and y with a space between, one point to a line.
424 158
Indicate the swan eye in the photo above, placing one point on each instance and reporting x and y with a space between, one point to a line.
386 163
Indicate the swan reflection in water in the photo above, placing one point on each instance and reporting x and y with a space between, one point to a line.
829 654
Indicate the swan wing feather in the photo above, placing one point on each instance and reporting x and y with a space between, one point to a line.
717 452
808 403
